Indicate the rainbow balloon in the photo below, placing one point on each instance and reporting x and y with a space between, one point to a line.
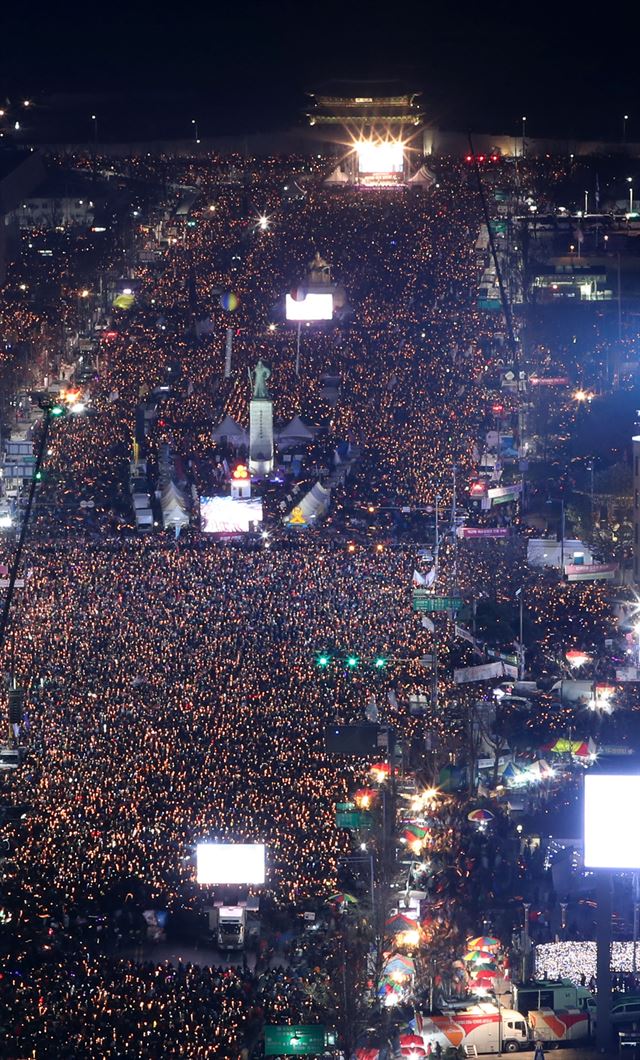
229 301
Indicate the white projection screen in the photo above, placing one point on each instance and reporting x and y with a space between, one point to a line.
226 515
315 306
380 157
611 829
237 863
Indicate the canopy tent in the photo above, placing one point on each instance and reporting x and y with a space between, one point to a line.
578 748
230 433
173 507
294 433
422 178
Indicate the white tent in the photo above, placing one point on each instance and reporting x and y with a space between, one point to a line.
338 176
422 177
294 433
314 504
173 507
230 432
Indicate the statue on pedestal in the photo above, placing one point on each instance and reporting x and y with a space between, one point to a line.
258 379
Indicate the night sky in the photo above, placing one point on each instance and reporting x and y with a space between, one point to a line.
245 66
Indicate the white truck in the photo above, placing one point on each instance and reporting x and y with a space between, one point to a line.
554 994
232 927
482 1028
553 1027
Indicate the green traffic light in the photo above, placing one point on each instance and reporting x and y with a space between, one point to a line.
57 410
352 660
323 660
380 662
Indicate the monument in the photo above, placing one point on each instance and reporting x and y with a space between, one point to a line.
260 422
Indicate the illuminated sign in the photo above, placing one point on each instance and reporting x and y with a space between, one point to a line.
380 157
230 863
611 839
314 306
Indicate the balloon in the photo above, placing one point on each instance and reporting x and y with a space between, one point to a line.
229 301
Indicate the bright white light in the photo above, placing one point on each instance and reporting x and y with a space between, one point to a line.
127 290
5 522
314 306
239 863
611 833
226 515
383 157
77 407
263 222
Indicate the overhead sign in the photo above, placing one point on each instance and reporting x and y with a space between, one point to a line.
502 494
551 380
425 601
586 572
483 531
353 819
294 1040
486 672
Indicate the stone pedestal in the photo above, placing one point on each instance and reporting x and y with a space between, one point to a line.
260 436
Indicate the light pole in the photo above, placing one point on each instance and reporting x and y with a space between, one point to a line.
524 134
630 180
526 906
520 595
195 130
586 203
625 119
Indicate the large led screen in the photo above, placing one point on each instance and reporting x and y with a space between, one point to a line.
380 157
611 830
237 863
226 515
315 306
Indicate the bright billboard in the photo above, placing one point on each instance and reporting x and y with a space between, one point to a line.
232 863
611 832
385 157
227 515
315 305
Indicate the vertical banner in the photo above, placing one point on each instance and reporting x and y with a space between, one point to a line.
227 354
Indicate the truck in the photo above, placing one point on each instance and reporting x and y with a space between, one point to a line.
487 1027
562 1025
232 925
554 994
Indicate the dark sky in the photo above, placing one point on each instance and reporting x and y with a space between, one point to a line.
246 65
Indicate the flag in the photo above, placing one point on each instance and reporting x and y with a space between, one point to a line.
418 578
428 624
177 530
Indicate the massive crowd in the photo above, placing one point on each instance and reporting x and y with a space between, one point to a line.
172 686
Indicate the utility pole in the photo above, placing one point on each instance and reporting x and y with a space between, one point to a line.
520 595
455 536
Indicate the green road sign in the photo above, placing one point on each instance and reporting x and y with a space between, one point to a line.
296 1040
345 806
427 602
354 819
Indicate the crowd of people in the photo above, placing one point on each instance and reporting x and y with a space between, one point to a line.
173 691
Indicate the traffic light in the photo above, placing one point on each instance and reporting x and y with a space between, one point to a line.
38 476
323 660
57 410
379 662
352 661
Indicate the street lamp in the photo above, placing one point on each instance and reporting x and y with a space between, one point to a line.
630 180
524 133
625 119
195 130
